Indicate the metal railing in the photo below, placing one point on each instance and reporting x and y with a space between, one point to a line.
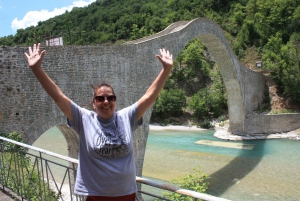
32 173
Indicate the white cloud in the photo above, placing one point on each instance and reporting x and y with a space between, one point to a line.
33 17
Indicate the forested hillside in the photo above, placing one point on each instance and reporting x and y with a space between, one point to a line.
112 20
270 28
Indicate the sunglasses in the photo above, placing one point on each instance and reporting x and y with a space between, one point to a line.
101 99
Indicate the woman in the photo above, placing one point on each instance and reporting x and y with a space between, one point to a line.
106 169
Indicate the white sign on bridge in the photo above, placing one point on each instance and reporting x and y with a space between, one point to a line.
54 41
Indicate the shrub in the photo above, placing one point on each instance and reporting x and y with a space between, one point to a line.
19 175
10 147
196 182
206 124
169 103
208 103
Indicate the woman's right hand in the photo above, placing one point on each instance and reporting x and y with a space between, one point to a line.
35 58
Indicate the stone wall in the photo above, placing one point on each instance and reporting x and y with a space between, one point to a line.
271 124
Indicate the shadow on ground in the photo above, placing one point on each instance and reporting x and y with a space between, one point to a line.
237 169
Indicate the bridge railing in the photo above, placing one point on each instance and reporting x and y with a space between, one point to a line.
36 174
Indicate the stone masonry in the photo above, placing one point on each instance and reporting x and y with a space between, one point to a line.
130 68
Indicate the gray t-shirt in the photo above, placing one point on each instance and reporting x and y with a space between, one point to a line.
106 156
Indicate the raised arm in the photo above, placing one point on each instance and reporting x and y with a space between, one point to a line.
35 59
151 94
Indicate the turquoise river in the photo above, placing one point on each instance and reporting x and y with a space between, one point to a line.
270 171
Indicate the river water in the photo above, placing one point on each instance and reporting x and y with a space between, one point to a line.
270 171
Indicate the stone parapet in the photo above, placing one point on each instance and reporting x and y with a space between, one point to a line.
271 123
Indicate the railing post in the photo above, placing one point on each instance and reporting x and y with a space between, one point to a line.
42 169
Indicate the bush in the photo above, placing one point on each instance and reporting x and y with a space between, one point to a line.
196 182
19 175
206 124
10 147
169 103
208 103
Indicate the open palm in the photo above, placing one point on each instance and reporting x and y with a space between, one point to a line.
35 58
166 58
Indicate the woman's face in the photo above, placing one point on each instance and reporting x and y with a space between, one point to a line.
104 108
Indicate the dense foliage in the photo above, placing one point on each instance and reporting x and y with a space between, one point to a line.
271 26
10 147
111 20
198 79
195 182
170 103
283 61
209 100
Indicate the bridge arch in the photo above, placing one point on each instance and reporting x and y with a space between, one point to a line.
130 68
58 119
244 87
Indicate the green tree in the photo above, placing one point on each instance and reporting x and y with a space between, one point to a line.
191 67
273 57
135 32
283 61
169 103
210 101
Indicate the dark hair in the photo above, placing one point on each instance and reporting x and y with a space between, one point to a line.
96 87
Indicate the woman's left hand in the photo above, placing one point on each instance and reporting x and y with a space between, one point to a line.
166 58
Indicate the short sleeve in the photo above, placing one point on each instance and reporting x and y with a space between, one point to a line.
77 114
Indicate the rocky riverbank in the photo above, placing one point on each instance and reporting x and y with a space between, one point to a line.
222 132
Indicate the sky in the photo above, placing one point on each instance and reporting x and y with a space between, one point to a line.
18 14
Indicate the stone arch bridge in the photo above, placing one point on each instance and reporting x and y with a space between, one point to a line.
130 68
